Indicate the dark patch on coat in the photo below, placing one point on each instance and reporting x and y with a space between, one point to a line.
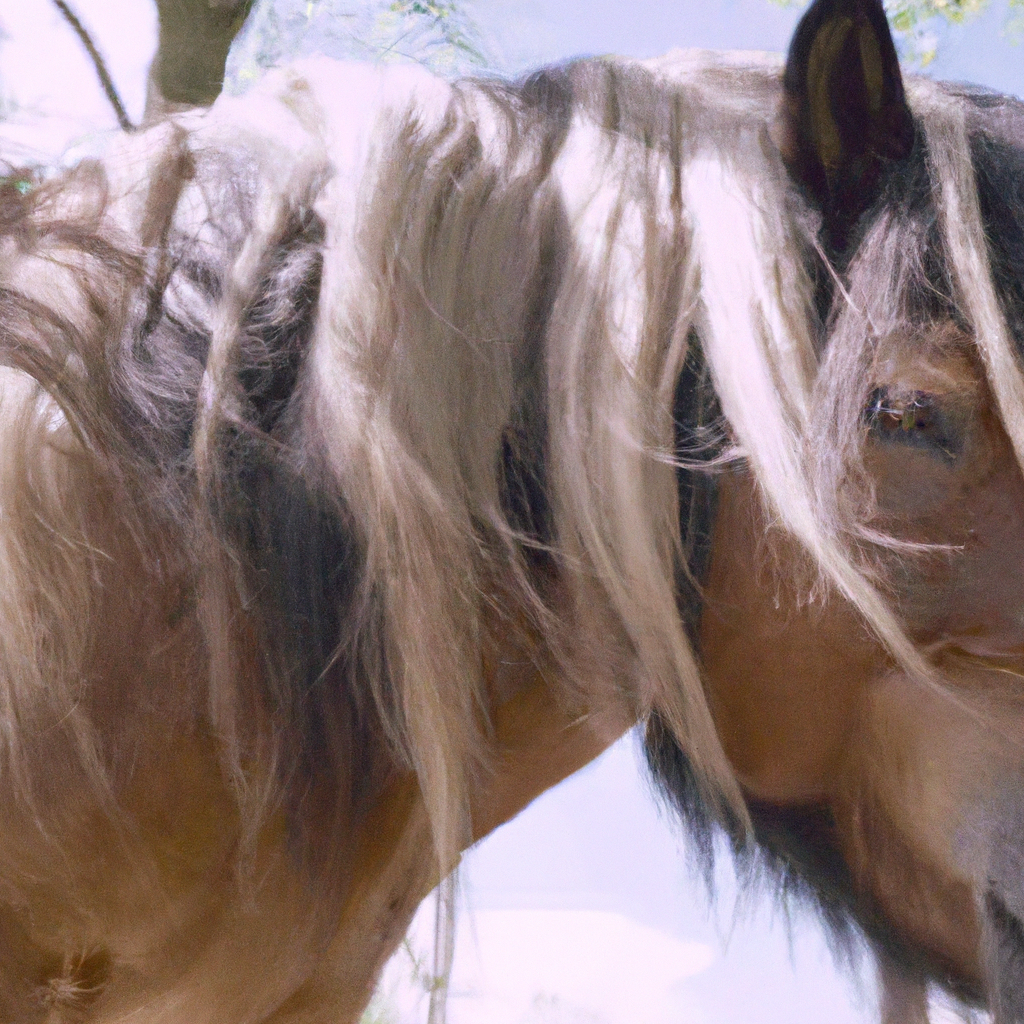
523 481
699 437
300 565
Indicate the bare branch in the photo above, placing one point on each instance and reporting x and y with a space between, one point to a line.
98 63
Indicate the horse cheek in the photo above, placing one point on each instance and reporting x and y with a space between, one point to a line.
784 664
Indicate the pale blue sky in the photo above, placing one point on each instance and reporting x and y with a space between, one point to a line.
542 30
599 842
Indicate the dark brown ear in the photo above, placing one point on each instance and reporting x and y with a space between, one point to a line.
844 112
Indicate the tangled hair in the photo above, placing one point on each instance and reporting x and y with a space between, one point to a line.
328 402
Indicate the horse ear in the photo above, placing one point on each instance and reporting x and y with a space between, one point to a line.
844 112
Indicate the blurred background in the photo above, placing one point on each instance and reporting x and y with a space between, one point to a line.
588 908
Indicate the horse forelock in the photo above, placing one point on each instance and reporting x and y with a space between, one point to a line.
937 258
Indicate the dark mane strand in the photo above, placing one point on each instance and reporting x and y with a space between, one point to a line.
523 473
997 153
699 438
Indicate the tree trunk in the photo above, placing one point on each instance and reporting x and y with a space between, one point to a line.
188 69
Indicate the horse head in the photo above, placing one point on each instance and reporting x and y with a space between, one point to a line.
882 784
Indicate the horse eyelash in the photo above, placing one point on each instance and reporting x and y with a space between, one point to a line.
904 419
877 406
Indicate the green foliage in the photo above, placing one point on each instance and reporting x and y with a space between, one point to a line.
1014 27
20 180
421 974
437 33
915 23
443 32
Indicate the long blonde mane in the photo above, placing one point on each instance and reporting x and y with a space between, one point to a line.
509 277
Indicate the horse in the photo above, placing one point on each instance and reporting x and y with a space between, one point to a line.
377 450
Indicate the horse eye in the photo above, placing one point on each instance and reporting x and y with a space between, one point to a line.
913 419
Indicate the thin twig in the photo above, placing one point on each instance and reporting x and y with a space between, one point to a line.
101 68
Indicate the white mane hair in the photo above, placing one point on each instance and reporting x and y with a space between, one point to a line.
481 298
